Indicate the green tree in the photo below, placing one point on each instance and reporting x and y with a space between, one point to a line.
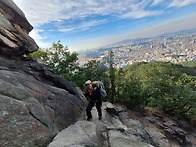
59 59
169 86
119 84
93 71
112 75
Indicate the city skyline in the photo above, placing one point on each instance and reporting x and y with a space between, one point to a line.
91 24
175 48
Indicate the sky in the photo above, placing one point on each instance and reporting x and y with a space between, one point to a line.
88 24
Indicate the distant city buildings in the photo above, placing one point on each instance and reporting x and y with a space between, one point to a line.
172 48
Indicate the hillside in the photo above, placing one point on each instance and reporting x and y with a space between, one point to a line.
189 63
169 86
161 67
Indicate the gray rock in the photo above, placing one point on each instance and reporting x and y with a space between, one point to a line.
15 15
152 120
185 125
5 24
134 135
110 108
124 116
83 133
116 133
109 133
14 29
118 124
172 129
160 140
44 105
126 142
28 115
119 108
19 127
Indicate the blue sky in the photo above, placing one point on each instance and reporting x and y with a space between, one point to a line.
86 24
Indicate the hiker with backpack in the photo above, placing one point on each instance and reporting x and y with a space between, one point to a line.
94 91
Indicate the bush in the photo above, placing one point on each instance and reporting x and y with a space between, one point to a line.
169 86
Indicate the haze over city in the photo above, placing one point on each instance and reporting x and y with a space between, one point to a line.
91 24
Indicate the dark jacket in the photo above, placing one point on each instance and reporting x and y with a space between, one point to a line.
95 96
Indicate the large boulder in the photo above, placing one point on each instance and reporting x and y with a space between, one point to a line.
14 29
83 133
35 104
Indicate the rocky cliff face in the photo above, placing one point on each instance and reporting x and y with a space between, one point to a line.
35 104
14 29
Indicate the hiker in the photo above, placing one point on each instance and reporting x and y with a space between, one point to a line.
92 90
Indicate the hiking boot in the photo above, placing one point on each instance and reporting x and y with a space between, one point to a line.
89 119
100 118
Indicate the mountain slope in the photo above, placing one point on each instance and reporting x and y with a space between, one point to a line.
171 87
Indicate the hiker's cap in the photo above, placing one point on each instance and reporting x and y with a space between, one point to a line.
87 82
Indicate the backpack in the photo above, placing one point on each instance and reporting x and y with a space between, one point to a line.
102 89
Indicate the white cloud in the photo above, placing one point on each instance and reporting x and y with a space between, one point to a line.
39 12
66 29
66 12
38 38
43 44
88 24
35 34
141 14
82 26
156 2
181 3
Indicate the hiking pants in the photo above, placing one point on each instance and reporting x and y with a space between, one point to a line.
90 106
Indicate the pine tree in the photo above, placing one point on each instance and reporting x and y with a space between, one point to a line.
112 75
119 83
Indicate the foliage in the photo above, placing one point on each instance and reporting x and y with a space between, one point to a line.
63 63
93 71
59 59
169 86
189 63
112 76
118 83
